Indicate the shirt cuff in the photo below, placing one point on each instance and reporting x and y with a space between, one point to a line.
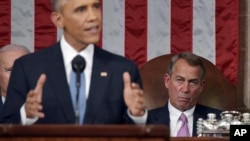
24 119
139 120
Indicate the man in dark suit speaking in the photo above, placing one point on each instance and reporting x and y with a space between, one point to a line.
39 89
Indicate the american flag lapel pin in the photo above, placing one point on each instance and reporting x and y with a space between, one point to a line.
104 74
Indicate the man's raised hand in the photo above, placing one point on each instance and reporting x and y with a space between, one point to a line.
33 106
133 96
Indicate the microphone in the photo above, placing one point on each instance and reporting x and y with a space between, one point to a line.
78 65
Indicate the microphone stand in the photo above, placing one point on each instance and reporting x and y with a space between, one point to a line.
78 65
78 83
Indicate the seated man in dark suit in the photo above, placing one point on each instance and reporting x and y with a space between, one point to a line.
8 54
40 90
184 80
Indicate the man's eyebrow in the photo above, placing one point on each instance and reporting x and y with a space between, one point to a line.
195 79
80 7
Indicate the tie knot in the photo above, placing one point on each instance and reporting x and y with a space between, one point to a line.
183 117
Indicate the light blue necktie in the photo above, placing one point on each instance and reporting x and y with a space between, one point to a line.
80 105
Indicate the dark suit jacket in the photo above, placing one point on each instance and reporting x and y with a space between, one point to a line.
161 115
105 104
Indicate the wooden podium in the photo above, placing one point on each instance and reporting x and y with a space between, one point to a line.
200 139
93 133
83 133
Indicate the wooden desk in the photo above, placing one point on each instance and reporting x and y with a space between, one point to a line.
83 133
200 139
93 133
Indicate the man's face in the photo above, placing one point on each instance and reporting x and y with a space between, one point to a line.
184 85
7 59
81 21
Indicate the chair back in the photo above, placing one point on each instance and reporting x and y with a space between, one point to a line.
218 92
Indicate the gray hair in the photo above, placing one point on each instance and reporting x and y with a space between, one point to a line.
13 47
56 4
191 59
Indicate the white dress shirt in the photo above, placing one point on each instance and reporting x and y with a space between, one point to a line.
3 99
69 53
175 124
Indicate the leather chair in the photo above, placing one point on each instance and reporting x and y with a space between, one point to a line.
218 91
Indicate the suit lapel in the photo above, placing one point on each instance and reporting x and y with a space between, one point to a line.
198 113
56 76
99 80
159 116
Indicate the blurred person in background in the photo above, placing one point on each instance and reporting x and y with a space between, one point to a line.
8 54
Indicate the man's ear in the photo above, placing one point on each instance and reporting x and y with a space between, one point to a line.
202 85
57 19
166 79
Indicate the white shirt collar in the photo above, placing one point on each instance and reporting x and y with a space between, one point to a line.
69 53
174 115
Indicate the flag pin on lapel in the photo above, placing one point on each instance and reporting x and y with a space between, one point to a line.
104 74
